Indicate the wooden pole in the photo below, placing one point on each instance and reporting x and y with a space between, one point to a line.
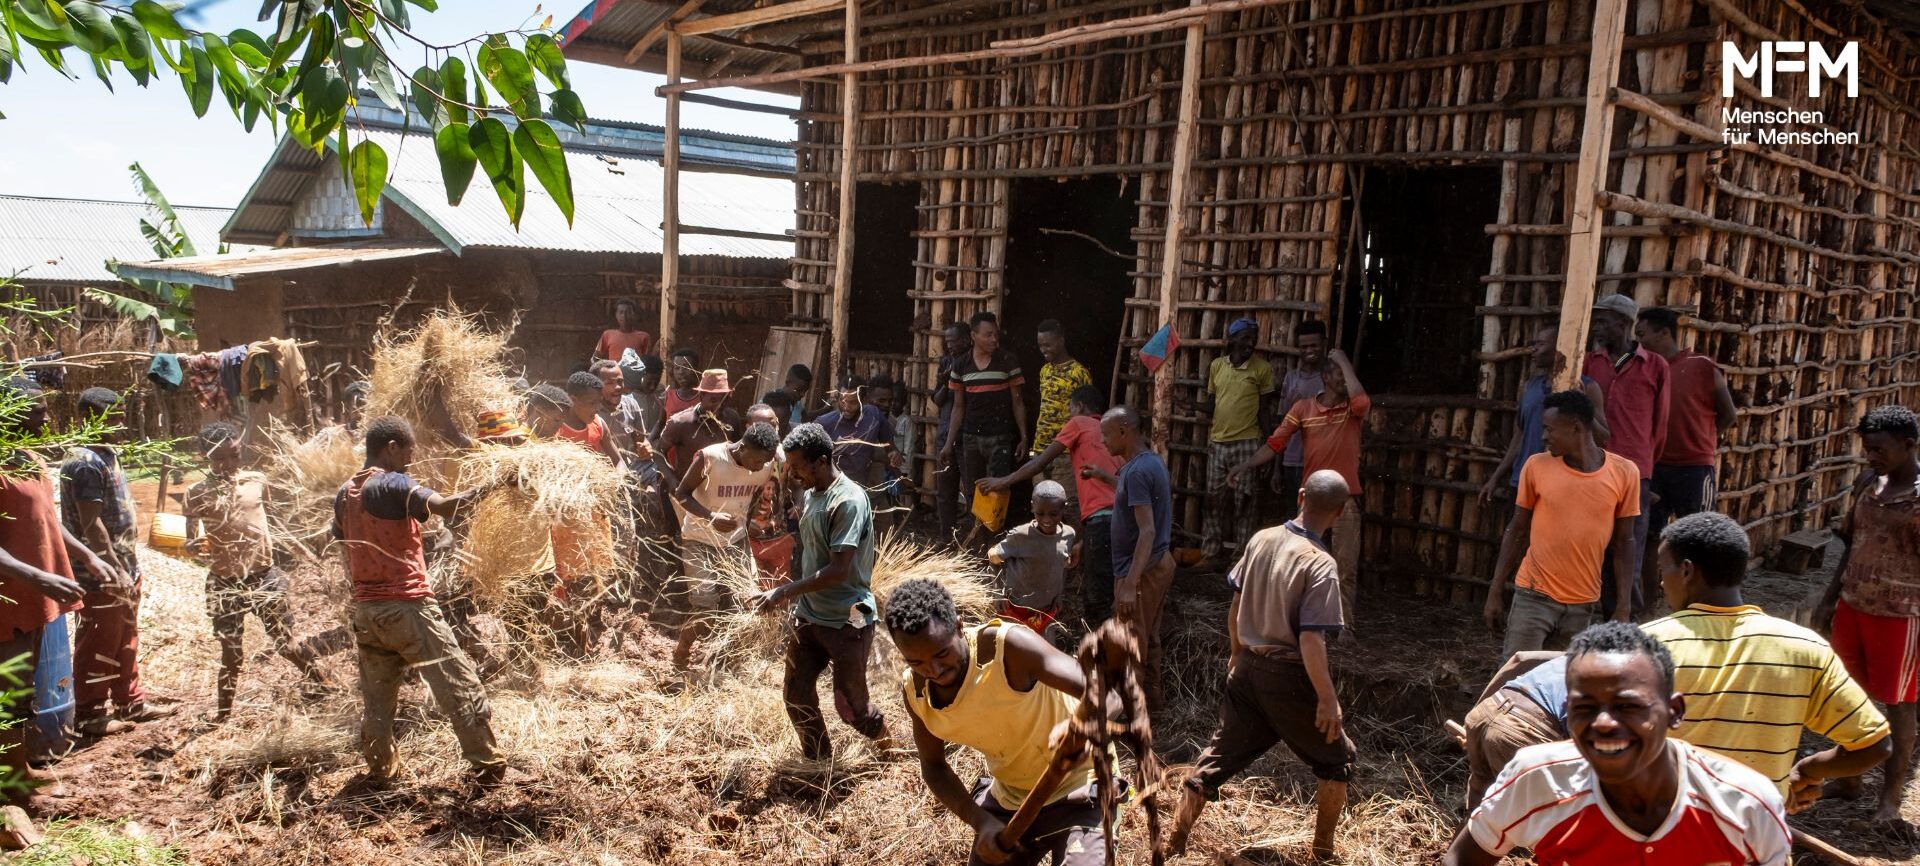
1584 221
654 33
1177 222
849 168
670 203
755 17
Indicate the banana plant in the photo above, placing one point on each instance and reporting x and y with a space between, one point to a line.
169 306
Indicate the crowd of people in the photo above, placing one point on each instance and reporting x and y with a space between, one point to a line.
1674 741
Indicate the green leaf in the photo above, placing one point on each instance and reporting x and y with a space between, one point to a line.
396 11
199 82
540 149
323 99
428 5
319 47
425 81
136 52
102 71
511 75
380 78
367 169
138 311
493 146
223 63
453 85
158 20
565 107
41 19
545 55
249 48
90 27
451 144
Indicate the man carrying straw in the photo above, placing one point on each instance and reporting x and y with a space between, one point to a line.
833 598
397 623
722 487
1007 693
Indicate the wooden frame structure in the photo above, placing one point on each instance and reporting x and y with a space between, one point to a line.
1249 129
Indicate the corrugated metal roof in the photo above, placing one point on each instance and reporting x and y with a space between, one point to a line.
219 271
604 30
617 205
71 240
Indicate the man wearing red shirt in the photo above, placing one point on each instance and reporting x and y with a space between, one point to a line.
1635 382
1621 791
1699 410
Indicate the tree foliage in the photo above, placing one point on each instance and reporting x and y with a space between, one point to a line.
306 74
169 306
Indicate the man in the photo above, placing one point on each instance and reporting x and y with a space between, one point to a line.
861 433
1239 388
1576 503
1623 791
1303 382
1060 376
957 343
1699 411
227 524
96 507
584 422
1754 682
36 575
989 418
355 403
800 388
1094 469
625 333
397 623
1003 691
899 487
1286 607
684 372
1635 382
613 389
722 487
1142 536
1331 424
708 421
1528 438
642 411
1872 605
833 598
1525 704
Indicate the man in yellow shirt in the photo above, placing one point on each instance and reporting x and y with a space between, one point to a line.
1752 681
1239 395
1005 692
1060 376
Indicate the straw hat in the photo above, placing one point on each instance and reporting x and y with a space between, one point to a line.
714 382
497 425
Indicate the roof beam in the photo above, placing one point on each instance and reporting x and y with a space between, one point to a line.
755 17
659 30
738 105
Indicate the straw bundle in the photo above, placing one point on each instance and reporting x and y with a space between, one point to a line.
448 362
740 632
549 498
305 474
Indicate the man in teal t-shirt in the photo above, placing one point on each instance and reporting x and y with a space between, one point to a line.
834 613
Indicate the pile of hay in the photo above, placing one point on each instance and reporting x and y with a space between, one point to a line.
448 363
542 495
739 632
305 474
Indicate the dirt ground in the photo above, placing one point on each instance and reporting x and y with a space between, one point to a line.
624 768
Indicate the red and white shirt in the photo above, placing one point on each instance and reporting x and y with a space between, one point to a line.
1548 800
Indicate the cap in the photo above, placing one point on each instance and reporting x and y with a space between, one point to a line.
1618 304
495 425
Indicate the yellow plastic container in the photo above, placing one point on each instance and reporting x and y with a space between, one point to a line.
991 508
169 532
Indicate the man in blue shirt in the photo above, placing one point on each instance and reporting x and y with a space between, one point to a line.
1529 425
862 437
1524 705
1142 532
833 598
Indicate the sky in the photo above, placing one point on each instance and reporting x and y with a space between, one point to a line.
74 138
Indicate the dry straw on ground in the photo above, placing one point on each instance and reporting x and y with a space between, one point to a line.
305 473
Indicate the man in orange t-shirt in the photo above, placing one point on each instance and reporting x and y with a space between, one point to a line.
1330 424
1576 502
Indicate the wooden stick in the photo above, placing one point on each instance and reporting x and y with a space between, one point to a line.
849 173
1584 226
752 17
654 33
1043 789
670 204
1176 216
1821 847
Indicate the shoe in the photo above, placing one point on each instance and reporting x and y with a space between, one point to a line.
101 726
498 775
146 712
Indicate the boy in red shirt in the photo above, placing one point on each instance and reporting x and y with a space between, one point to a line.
1331 424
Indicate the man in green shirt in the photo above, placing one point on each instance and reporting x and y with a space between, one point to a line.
1239 391
833 598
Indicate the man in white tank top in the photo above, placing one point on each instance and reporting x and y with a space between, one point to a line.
715 498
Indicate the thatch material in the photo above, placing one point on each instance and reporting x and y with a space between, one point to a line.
305 474
549 498
449 368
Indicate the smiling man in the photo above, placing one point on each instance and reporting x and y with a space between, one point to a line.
1622 791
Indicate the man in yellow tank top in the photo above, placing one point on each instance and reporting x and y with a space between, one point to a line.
1007 693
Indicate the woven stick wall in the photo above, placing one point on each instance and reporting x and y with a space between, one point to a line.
1298 101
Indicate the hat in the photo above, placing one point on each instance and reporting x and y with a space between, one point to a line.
496 425
633 371
1242 324
714 381
1620 304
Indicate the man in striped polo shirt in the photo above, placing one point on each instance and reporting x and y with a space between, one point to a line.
1622 791
989 423
1753 681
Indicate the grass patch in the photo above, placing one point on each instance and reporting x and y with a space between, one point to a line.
95 843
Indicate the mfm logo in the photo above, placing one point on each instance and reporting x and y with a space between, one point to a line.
1769 60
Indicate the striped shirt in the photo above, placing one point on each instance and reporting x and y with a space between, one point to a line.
1753 681
1549 800
990 392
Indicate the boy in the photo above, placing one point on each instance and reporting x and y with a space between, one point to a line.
1872 606
1033 559
1094 469
1060 376
625 333
685 375
227 522
642 410
582 422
